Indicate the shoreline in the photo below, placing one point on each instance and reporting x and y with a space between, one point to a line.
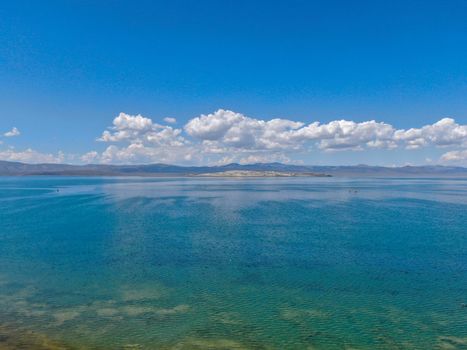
250 173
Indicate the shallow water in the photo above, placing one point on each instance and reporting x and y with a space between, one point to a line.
286 263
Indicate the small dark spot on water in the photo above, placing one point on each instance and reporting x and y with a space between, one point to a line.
314 334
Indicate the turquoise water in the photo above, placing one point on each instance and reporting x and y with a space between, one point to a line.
299 263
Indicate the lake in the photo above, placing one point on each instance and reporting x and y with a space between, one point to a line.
198 263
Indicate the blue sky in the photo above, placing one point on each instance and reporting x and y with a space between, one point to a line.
68 68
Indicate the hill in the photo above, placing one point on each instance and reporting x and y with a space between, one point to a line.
22 169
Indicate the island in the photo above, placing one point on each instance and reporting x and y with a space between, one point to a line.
253 173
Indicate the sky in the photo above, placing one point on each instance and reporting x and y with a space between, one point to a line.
213 82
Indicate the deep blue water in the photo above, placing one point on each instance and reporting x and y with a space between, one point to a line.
285 263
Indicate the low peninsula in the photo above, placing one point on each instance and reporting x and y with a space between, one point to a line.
252 173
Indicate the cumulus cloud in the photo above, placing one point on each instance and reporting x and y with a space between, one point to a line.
137 139
228 128
227 136
170 120
140 153
445 132
13 132
455 156
236 130
90 157
30 156
347 135
138 129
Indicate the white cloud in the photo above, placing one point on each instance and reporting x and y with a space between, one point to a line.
234 129
139 153
238 131
30 156
13 132
445 132
213 126
170 120
348 135
90 157
227 136
454 156
139 140
138 129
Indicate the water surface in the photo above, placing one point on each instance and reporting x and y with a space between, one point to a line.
284 263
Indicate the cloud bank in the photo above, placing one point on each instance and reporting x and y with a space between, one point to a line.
226 136
30 156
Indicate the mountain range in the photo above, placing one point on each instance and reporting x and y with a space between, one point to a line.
22 169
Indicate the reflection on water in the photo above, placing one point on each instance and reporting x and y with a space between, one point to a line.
318 263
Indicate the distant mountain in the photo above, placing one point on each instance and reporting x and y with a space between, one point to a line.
23 169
